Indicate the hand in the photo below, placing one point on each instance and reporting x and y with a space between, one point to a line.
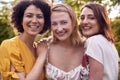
48 39
42 48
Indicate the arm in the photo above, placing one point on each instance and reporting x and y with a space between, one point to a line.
96 70
0 77
38 66
34 73
95 57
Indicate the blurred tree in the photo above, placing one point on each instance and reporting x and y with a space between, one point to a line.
5 29
116 28
77 4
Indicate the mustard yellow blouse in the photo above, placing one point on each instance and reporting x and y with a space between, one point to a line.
5 65
14 51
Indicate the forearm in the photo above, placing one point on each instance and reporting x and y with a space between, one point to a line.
0 77
96 70
36 71
96 76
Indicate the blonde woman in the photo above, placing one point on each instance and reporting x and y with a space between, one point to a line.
66 47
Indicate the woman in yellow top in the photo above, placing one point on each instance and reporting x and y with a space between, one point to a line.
19 60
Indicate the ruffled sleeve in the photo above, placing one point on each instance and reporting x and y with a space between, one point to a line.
16 61
9 75
11 54
15 54
5 72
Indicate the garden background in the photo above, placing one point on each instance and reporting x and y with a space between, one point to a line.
113 7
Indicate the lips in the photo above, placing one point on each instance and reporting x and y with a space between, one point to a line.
86 28
60 34
33 27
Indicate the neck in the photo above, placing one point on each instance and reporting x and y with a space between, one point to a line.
29 40
67 43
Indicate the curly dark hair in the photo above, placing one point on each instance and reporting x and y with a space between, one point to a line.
19 9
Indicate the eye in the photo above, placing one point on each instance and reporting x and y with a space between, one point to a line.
64 22
40 16
82 17
92 17
28 15
53 23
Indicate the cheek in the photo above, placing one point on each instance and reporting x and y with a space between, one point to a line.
25 21
97 28
52 28
73 29
42 21
81 24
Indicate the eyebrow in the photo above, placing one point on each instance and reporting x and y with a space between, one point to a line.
32 13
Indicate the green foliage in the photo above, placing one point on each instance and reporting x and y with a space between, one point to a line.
116 28
77 4
5 29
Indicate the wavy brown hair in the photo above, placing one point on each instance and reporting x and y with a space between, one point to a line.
101 15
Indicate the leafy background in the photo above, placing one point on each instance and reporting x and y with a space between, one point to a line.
6 31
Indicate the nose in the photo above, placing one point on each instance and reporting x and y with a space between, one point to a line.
34 19
85 20
59 28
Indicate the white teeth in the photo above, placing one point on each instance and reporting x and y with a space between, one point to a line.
33 27
61 34
86 27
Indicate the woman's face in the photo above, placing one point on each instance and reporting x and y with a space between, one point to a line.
88 23
33 20
61 25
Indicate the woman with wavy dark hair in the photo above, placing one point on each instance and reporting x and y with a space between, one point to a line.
100 48
29 17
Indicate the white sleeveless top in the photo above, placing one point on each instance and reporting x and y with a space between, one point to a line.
54 73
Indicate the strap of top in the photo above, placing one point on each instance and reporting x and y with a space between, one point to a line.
85 60
48 44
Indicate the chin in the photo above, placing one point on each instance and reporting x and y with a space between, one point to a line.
86 35
34 34
61 39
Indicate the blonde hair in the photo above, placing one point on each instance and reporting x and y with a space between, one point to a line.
76 38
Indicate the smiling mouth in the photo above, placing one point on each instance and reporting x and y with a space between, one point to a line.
86 28
61 33
33 27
